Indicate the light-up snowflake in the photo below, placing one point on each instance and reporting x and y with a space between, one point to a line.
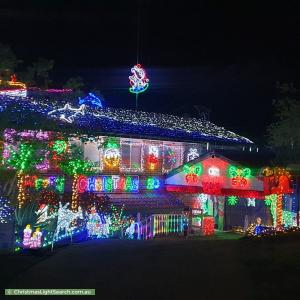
251 202
232 200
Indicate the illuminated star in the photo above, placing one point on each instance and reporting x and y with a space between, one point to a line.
67 108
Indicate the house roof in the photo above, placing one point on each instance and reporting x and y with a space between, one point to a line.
37 113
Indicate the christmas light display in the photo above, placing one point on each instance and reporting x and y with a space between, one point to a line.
69 114
55 182
232 200
112 155
251 202
59 91
271 200
279 210
152 159
91 100
42 214
23 160
138 80
14 88
152 183
192 154
5 210
132 153
133 228
110 184
11 135
239 176
172 155
278 181
117 218
208 226
196 169
192 172
27 236
76 167
127 121
167 223
60 146
203 199
36 239
65 218
98 226
289 218
213 171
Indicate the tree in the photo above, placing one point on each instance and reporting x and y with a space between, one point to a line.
8 62
74 83
284 132
42 68
23 160
73 165
28 76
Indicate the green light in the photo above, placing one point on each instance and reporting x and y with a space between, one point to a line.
39 183
270 198
108 184
246 173
152 183
76 166
288 218
186 169
59 146
111 143
24 159
232 200
60 184
233 171
128 184
198 169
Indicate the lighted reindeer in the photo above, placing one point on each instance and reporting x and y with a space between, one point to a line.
65 217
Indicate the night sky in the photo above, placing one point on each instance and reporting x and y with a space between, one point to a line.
226 57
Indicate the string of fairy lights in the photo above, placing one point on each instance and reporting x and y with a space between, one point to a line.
112 120
90 119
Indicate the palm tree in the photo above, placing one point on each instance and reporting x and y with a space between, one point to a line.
73 165
23 160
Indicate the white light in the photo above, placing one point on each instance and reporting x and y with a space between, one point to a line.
192 154
65 217
67 107
213 171
251 202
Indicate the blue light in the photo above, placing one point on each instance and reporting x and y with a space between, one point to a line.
32 113
91 100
